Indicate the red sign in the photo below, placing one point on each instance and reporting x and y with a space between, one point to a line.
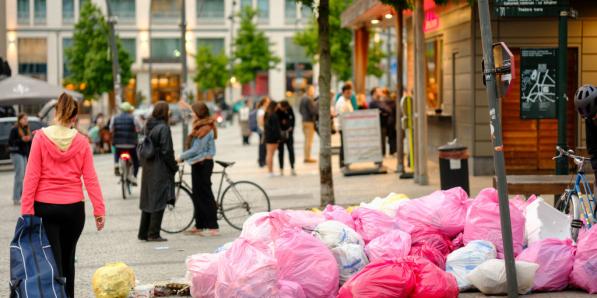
431 21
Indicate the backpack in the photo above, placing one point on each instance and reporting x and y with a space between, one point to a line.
146 150
33 271
253 121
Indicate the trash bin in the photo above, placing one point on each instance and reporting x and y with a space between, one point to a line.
453 166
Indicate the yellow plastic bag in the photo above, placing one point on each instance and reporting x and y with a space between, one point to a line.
114 280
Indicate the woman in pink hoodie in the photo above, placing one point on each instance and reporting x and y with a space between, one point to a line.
52 189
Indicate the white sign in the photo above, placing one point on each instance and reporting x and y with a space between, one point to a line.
361 136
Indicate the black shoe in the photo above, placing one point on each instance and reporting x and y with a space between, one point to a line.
142 238
157 239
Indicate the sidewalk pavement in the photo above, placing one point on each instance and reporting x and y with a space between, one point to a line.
156 262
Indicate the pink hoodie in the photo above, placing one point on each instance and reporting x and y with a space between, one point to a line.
54 176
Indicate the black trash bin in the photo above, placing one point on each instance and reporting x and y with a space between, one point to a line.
453 166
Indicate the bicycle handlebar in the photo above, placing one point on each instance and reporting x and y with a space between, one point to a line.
569 154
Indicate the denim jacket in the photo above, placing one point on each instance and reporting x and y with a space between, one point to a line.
201 148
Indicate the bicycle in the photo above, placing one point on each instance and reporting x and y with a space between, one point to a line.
124 162
238 201
578 198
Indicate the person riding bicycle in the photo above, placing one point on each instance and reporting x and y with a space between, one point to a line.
125 129
585 101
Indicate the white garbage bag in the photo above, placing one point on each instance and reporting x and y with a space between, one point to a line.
544 221
490 277
388 205
333 233
351 258
464 260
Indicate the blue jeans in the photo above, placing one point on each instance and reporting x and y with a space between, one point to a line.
20 163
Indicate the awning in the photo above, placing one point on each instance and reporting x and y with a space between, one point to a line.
22 90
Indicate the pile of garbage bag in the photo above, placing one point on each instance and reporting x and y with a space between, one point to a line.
433 246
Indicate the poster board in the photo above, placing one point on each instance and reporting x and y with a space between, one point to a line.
361 136
538 83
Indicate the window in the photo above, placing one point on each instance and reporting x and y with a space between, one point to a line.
23 12
210 10
66 43
263 10
299 69
40 12
68 11
433 63
306 12
123 9
165 47
33 57
130 46
215 44
165 11
246 3
290 11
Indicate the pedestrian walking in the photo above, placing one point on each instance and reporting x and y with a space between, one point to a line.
287 122
309 114
202 149
157 183
19 144
272 134
377 102
343 105
243 119
263 104
52 190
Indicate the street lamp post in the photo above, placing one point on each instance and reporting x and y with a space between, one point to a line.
230 59
183 60
114 51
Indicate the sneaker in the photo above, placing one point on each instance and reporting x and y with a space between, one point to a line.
293 172
156 239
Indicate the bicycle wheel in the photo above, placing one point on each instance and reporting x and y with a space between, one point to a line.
569 204
123 181
242 199
179 213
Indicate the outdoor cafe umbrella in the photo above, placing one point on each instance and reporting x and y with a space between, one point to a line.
22 90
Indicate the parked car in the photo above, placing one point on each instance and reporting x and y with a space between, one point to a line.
6 124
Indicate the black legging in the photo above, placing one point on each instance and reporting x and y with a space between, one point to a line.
290 144
204 202
63 225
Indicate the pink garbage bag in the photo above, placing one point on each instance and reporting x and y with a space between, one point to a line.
247 269
302 218
305 260
389 246
433 239
202 271
584 271
337 213
555 258
444 211
384 278
264 226
429 253
458 242
432 282
290 289
371 224
483 222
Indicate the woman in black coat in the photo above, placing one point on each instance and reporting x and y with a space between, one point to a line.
157 184
273 134
286 117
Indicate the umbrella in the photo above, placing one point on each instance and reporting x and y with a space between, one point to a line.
22 90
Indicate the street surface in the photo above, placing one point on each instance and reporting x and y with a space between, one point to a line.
162 261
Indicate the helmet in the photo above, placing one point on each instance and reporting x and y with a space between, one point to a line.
584 101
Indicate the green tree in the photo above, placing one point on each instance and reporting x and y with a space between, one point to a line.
252 50
89 58
374 57
212 69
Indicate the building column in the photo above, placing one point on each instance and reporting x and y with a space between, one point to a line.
361 46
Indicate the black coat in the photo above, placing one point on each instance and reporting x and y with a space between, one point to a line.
157 184
16 143
273 131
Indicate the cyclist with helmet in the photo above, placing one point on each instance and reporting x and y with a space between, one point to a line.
585 101
125 129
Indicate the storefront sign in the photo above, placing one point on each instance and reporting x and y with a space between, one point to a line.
361 136
529 8
538 83
431 21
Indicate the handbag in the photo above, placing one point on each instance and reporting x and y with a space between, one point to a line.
146 150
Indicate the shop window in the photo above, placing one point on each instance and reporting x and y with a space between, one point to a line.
33 57
165 87
210 11
129 91
165 47
215 44
165 11
130 46
299 69
68 11
124 10
433 64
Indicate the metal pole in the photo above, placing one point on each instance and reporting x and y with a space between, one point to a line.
420 96
454 95
498 153
114 50
230 59
562 162
399 90
183 60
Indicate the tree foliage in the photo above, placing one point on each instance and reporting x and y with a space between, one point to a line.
252 49
212 69
89 59
375 55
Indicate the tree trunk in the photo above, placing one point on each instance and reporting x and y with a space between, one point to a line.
399 90
420 96
325 130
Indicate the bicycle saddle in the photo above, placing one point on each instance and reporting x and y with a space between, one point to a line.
225 164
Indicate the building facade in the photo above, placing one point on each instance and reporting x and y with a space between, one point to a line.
39 31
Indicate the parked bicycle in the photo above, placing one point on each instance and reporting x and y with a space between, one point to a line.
238 201
578 200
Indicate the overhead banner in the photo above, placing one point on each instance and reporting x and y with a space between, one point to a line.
361 136
529 8
538 83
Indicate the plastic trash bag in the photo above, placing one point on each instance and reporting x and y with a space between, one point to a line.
444 211
429 253
390 246
202 273
544 221
247 269
458 242
490 277
333 233
388 205
290 289
113 280
432 282
305 260
555 259
584 271
483 222
350 258
464 260
224 247
433 239
301 218
371 224
264 226
337 213
384 278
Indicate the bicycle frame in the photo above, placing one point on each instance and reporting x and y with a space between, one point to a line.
223 176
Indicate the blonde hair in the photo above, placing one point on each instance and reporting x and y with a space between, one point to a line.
67 108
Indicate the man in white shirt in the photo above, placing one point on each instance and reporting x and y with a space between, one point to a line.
343 105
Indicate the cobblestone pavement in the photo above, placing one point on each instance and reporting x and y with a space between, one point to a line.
155 262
